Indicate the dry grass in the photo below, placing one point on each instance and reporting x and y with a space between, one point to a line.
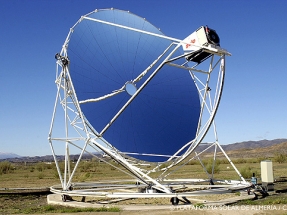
31 204
44 175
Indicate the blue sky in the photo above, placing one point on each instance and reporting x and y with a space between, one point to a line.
254 102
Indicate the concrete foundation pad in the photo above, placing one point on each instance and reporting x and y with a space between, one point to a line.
212 208
56 199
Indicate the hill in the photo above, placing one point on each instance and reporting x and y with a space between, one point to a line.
261 148
252 144
263 152
5 155
244 146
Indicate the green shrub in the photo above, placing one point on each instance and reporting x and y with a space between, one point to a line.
88 166
192 162
56 175
32 169
253 160
259 159
223 161
162 166
209 165
84 176
41 175
247 172
40 167
240 160
48 166
205 162
280 158
5 167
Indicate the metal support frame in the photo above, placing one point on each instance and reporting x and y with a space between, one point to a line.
159 186
74 119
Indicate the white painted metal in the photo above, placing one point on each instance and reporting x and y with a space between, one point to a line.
267 171
160 185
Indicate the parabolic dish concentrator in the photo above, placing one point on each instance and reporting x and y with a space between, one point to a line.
134 95
133 108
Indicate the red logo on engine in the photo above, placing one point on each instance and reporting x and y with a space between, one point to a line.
191 41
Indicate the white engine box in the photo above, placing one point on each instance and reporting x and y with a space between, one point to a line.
201 35
267 171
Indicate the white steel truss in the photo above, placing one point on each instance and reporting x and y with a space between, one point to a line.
75 123
74 119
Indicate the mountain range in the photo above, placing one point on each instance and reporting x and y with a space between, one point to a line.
252 144
5 155
258 152
262 147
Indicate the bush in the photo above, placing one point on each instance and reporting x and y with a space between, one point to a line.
5 167
209 166
84 176
41 175
162 166
240 160
247 172
192 162
224 161
88 166
259 159
215 170
56 175
40 167
48 166
280 158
